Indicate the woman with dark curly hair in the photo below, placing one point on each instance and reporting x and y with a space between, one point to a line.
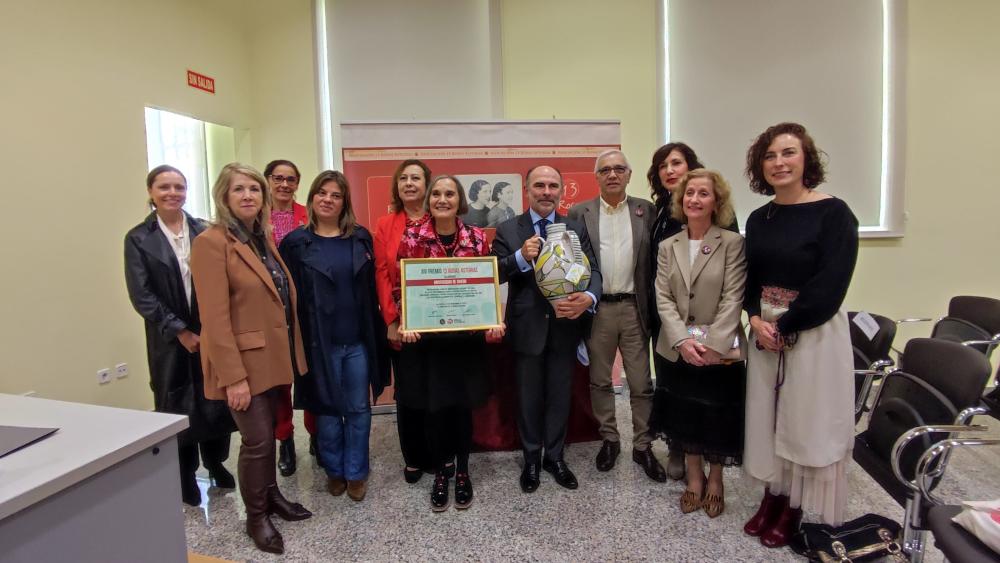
480 201
801 249
503 197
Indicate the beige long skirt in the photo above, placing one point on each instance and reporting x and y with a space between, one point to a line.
805 453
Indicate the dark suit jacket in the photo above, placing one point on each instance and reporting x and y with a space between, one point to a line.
529 314
641 214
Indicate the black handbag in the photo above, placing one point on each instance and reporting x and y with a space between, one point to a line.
863 539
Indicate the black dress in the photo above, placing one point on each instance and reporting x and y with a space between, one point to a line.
699 409
444 370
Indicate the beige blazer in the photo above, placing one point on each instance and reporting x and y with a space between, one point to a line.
708 293
244 333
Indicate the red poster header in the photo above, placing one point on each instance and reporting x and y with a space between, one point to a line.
201 82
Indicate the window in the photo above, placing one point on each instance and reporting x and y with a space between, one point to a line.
197 148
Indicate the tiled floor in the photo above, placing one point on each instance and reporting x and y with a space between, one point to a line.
615 516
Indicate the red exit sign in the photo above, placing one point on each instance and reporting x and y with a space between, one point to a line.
201 82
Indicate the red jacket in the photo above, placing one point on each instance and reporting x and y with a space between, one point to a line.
388 234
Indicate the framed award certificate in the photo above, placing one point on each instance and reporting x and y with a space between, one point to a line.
449 294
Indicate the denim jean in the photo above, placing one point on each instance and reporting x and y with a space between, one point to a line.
343 440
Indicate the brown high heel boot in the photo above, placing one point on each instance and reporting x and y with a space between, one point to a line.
770 507
284 508
781 532
254 485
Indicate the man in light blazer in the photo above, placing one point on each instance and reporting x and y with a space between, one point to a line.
620 226
544 336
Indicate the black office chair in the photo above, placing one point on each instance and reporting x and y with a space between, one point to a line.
937 387
974 321
871 357
957 544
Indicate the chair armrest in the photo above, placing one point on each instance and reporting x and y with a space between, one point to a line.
877 368
943 450
906 438
993 341
914 320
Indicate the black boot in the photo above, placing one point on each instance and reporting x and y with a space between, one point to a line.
190 493
221 476
286 457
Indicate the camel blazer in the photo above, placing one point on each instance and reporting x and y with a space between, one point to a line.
641 215
244 331
708 293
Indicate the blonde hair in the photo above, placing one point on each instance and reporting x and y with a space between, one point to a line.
220 191
724 213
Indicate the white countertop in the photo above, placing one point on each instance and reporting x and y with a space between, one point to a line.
89 440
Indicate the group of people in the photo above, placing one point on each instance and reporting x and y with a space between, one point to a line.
273 292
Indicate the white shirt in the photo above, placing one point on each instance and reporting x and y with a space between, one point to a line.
693 249
616 248
181 243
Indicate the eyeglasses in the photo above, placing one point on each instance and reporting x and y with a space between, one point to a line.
620 170
292 180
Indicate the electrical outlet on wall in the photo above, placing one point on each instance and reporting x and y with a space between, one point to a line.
103 376
121 370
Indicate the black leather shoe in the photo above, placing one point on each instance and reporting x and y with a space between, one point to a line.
412 475
560 471
529 477
675 465
463 491
286 457
439 493
649 464
221 477
608 455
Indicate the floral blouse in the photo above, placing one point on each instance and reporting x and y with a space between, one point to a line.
421 241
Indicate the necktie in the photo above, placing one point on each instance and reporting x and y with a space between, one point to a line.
542 224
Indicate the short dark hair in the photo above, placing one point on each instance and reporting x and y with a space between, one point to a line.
397 202
814 173
463 201
269 169
475 188
498 189
151 177
348 222
657 190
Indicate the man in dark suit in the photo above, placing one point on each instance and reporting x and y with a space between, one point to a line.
545 336
620 226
